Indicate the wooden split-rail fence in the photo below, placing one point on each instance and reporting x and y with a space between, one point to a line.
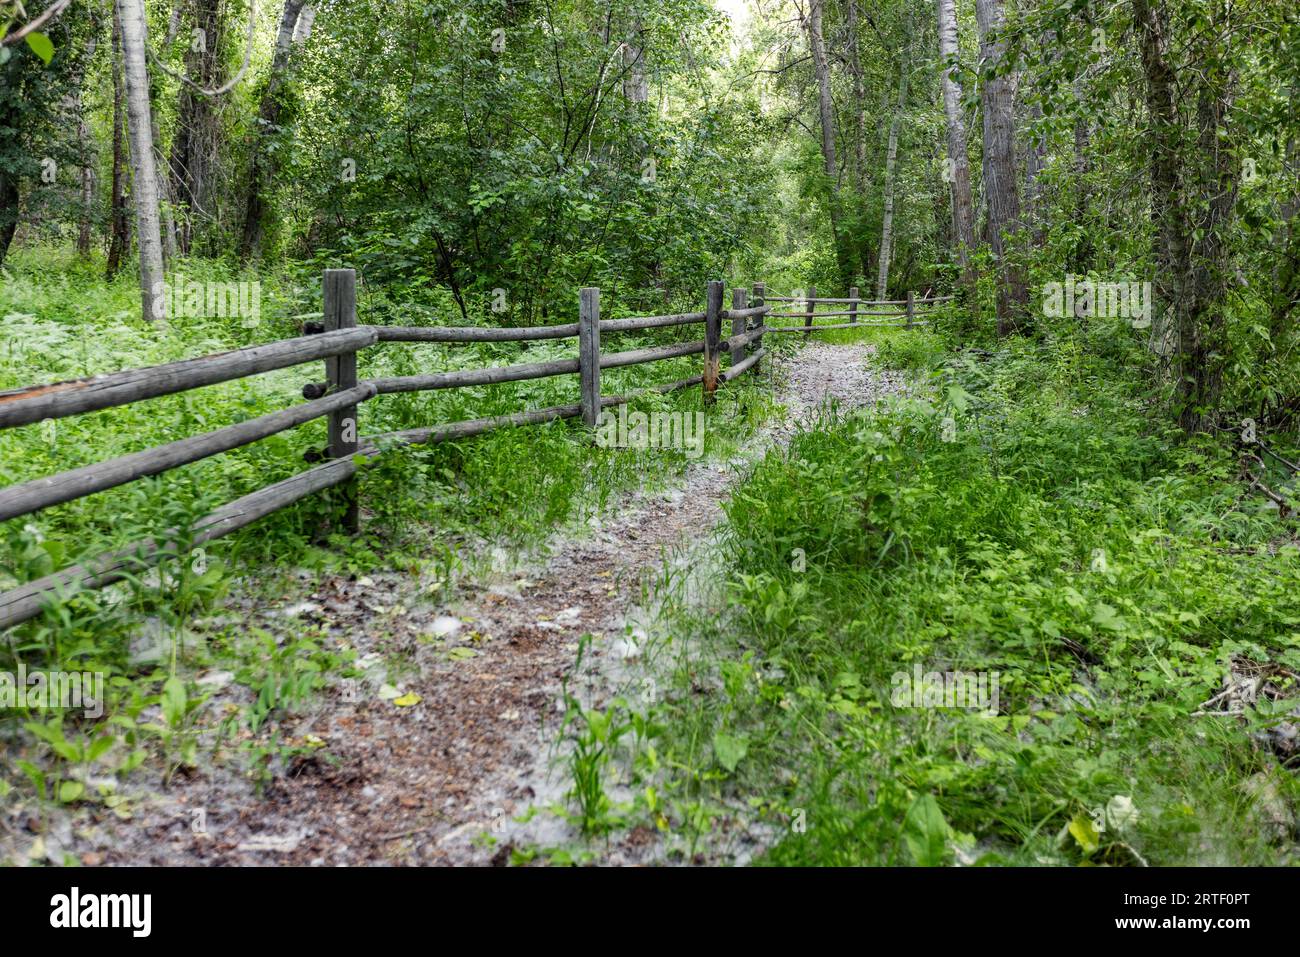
336 340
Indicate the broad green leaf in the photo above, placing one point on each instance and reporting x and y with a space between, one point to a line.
173 700
70 791
729 750
926 832
41 46
1104 616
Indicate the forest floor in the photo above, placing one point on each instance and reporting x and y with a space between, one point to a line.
458 761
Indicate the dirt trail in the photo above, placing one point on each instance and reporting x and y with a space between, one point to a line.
421 784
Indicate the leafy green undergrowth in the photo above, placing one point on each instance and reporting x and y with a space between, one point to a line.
424 508
1027 524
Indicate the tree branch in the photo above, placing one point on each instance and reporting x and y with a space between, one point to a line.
50 13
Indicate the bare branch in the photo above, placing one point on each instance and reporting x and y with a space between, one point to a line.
243 67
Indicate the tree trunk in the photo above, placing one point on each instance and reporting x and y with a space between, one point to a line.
636 85
263 168
1152 30
11 106
198 133
173 25
1035 146
1286 274
119 228
887 217
86 149
1082 253
1001 189
940 201
1035 156
957 172
859 100
10 200
144 171
1193 195
1202 345
166 201
826 112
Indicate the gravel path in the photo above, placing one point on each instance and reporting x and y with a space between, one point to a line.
423 783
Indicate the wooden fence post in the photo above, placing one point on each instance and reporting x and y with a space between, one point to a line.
911 307
712 338
812 304
341 374
853 306
739 300
757 300
589 354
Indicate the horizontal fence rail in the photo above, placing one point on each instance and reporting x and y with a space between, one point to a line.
565 331
27 601
906 316
463 378
471 427
471 333
336 341
33 404
833 315
44 492
862 302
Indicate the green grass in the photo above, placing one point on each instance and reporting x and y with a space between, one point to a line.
1052 533
914 349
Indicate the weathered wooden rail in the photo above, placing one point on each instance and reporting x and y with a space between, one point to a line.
908 314
336 341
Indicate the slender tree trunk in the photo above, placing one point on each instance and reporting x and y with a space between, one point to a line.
825 105
887 216
263 168
859 100
1202 345
1193 196
1286 292
1035 155
940 200
167 195
11 141
306 19
1153 31
1286 274
1001 189
1082 254
86 149
957 171
119 227
166 201
197 142
1035 147
826 112
173 25
10 201
144 171
636 84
